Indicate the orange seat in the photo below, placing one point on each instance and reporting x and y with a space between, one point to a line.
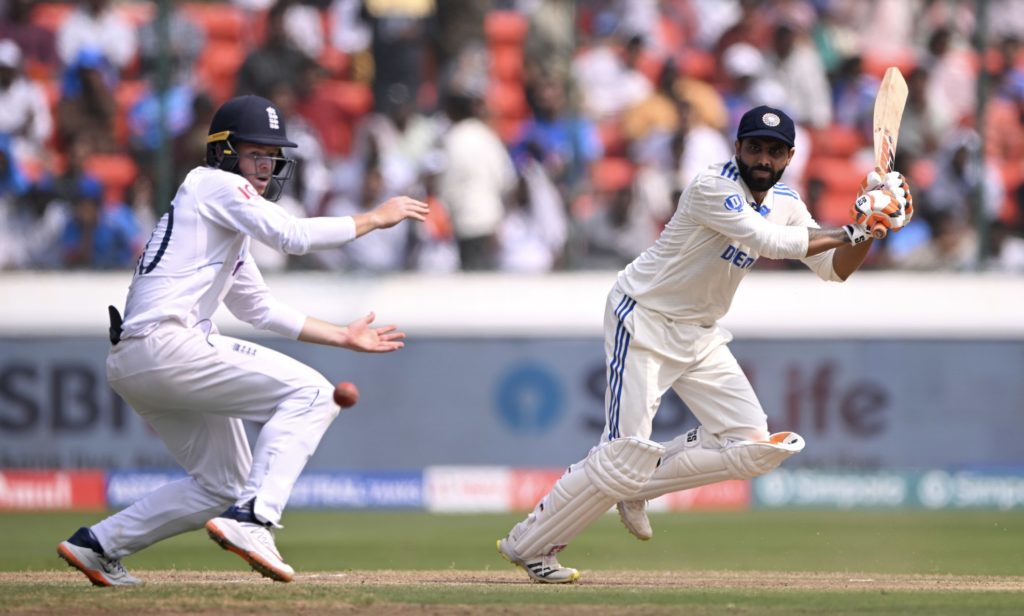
507 62
50 15
505 28
218 66
611 173
136 13
352 98
836 140
697 64
612 138
509 129
221 21
833 208
838 174
117 173
507 100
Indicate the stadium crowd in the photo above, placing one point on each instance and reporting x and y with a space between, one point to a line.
549 134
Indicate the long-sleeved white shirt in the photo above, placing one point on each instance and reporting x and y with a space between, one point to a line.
714 238
198 256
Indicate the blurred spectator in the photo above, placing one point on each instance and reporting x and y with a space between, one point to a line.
96 25
753 26
533 233
399 43
24 110
1005 250
86 110
189 148
276 60
400 138
749 83
618 230
567 143
36 42
604 72
387 251
551 39
351 36
478 174
853 96
304 26
14 186
186 41
953 247
923 125
966 185
460 24
98 236
951 77
798 68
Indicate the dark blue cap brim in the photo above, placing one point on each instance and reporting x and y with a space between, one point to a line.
767 132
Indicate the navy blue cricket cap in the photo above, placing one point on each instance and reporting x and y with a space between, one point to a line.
765 121
249 118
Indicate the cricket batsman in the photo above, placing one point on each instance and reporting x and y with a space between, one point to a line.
661 331
194 386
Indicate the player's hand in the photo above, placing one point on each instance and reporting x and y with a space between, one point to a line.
895 183
397 209
879 208
361 336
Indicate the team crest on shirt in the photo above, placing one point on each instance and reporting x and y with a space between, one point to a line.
734 203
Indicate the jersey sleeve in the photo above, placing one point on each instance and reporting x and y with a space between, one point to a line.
249 299
821 263
231 202
719 203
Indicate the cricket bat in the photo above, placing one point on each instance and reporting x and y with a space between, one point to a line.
889 104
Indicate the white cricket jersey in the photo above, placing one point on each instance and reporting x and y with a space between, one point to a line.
714 238
198 256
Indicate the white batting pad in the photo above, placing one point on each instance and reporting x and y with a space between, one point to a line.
697 458
621 467
613 471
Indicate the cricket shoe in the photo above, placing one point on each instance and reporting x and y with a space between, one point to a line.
543 569
237 530
634 517
83 552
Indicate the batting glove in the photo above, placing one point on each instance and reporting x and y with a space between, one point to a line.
857 233
879 207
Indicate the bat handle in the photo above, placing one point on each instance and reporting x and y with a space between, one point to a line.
879 232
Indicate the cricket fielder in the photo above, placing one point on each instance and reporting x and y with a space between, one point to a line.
661 331
194 386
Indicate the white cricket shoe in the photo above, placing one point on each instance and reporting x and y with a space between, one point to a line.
543 569
83 552
634 517
254 543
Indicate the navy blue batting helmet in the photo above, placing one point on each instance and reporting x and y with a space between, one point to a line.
250 119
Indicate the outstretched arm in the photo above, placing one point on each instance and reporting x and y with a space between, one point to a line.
356 336
390 213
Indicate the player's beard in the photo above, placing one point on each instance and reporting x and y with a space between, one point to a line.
759 184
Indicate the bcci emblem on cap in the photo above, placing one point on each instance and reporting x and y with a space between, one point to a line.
767 122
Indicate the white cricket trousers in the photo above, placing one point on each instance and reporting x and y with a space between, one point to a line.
194 389
647 353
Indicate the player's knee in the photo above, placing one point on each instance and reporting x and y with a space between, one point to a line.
619 468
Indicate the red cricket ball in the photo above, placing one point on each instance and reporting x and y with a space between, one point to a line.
345 394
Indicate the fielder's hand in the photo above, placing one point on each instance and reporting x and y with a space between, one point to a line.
397 209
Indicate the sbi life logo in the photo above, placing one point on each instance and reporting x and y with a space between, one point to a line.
530 398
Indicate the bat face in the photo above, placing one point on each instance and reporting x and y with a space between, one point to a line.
889 104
